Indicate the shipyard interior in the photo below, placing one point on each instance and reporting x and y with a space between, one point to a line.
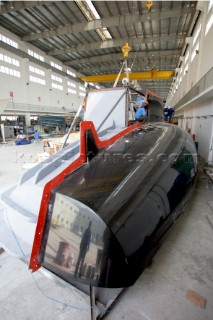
106 160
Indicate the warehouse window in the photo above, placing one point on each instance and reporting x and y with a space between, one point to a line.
186 57
10 60
36 70
81 94
35 55
71 73
71 90
8 41
195 43
10 72
57 86
37 80
195 51
91 84
71 84
209 24
210 5
196 35
10 118
186 68
81 88
55 65
53 77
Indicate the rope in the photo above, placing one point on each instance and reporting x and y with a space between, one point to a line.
136 53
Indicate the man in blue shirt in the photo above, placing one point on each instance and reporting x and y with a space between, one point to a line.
140 114
170 113
36 136
138 103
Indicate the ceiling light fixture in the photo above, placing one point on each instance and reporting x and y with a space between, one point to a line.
91 13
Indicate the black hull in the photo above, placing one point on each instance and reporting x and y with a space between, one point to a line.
119 206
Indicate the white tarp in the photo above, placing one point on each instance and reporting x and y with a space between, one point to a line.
106 107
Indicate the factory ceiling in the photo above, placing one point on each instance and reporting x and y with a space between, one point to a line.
89 35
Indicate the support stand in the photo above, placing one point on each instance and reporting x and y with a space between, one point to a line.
72 125
92 303
3 134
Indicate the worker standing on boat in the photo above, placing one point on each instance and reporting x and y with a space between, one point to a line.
170 113
139 102
165 111
140 114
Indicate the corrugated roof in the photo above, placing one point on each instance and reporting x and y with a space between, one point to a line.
61 29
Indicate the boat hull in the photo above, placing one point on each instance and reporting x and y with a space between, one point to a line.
105 220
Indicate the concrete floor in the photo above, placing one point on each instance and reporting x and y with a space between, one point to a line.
184 261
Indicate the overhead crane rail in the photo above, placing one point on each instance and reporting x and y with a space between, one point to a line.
147 75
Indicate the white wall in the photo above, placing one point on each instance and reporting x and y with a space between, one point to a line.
196 115
206 45
28 93
198 120
202 61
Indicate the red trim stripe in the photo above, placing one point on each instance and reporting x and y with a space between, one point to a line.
85 125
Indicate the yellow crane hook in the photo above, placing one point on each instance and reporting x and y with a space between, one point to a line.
125 49
149 4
